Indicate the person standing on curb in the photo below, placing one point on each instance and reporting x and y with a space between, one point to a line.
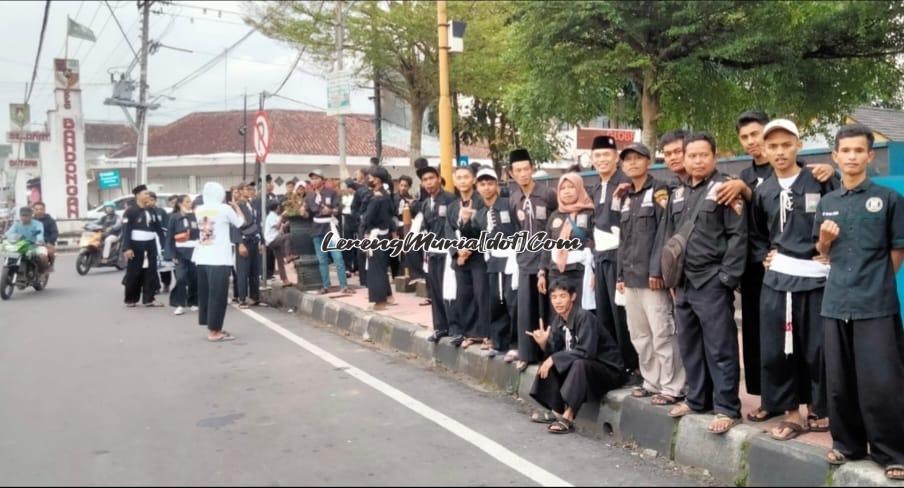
435 210
280 244
214 259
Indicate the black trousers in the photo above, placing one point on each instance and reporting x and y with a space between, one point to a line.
751 286
213 291
584 380
414 263
378 286
141 282
612 316
248 271
472 297
708 340
271 264
503 310
166 278
531 306
798 379
865 379
443 321
361 257
349 256
185 292
395 265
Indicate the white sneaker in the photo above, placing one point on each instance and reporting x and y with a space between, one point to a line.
194 308
179 311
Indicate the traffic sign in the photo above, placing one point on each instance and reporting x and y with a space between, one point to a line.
262 136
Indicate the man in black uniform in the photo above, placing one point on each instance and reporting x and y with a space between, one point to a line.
248 264
861 229
359 205
713 264
472 298
791 332
377 224
140 231
607 197
435 210
532 207
495 219
51 232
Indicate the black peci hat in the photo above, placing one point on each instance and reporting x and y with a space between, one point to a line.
380 172
426 169
520 155
603 142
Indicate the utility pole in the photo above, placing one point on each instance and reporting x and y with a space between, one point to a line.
445 108
378 117
142 116
457 129
243 130
340 27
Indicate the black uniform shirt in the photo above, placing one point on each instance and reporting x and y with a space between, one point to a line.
137 218
581 228
581 336
378 214
436 212
315 202
453 225
503 224
796 240
718 244
179 223
608 211
531 212
638 255
861 284
755 174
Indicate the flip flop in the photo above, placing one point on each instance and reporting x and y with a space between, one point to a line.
755 418
811 424
894 467
835 458
640 392
663 400
795 431
510 356
222 338
721 417
521 366
675 413
425 303
543 417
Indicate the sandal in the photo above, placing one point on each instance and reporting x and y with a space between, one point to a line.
543 417
224 337
510 356
426 303
813 423
469 342
561 426
641 392
154 304
244 306
663 400
794 430
680 410
722 418
758 415
487 345
894 467
835 458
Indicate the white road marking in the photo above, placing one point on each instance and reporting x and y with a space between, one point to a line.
482 442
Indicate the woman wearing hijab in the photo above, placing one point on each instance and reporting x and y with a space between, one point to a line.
214 258
572 220
181 239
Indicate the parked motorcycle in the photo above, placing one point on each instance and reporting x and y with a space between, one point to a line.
20 267
92 248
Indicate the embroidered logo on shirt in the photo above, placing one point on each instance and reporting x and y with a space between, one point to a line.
541 213
504 217
582 220
442 211
662 197
874 204
812 201
679 195
557 222
521 215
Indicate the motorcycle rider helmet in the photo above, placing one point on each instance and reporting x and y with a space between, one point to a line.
109 207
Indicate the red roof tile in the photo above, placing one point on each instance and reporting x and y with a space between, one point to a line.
108 134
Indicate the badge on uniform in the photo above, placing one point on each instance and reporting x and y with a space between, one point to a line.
661 197
679 194
874 204
738 206
505 217
329 200
616 204
441 211
713 190
521 215
582 220
557 223
541 213
812 201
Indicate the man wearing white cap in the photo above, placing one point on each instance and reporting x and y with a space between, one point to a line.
791 332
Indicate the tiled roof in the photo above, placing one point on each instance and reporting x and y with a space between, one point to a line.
888 122
108 134
294 132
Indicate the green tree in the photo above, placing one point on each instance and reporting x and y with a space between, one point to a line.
698 64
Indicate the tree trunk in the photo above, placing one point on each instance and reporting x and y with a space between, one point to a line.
650 109
417 126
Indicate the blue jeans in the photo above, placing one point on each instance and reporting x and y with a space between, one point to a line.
325 264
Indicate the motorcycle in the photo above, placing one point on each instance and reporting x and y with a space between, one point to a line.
20 267
91 254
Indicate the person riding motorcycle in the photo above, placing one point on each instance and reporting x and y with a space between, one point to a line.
32 231
112 226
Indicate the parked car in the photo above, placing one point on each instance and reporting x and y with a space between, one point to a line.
124 201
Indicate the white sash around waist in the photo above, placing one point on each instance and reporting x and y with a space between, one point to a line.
143 235
605 241
803 268
322 220
187 244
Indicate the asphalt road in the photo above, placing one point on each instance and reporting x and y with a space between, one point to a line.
94 393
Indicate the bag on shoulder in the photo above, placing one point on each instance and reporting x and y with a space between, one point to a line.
675 248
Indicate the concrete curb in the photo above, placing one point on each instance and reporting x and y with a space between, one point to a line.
745 456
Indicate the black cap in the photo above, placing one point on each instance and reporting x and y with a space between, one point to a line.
380 172
603 142
138 189
520 155
635 147
426 169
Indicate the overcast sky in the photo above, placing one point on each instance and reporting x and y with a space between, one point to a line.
257 64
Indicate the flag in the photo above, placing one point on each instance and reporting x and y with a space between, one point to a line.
78 30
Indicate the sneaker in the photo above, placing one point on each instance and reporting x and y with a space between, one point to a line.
179 311
194 308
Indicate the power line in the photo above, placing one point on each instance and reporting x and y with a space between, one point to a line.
120 28
206 9
192 18
34 72
207 66
298 101
90 25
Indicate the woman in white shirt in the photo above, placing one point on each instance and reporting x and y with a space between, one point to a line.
278 243
213 255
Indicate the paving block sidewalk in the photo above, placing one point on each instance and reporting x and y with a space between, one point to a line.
746 456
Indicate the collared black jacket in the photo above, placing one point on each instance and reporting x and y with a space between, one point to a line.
543 203
586 338
453 225
436 213
608 211
378 214
328 200
639 256
505 226
177 224
137 218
